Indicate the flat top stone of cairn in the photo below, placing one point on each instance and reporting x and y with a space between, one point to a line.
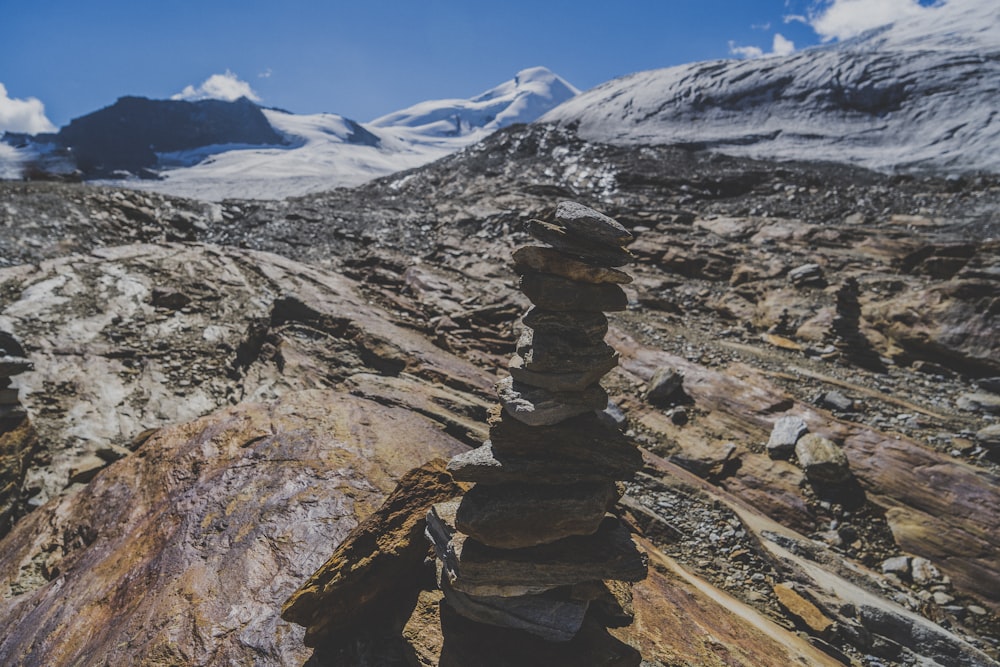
591 226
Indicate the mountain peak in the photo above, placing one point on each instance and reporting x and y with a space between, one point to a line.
531 93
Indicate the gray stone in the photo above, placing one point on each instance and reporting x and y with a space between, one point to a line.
586 438
663 385
557 293
785 434
474 568
822 460
980 402
484 465
575 327
539 407
586 224
834 400
898 565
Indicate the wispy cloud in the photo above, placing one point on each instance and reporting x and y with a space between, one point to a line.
780 46
843 19
17 115
226 86
266 74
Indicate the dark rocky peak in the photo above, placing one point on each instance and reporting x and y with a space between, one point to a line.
128 134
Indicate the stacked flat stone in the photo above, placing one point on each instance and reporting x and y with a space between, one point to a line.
532 546
12 362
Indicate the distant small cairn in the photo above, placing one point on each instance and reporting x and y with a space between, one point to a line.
532 546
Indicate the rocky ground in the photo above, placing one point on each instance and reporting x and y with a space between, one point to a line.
404 299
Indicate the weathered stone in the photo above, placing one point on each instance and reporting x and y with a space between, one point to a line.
559 382
375 570
785 434
555 293
822 460
980 402
804 612
539 407
584 438
554 615
18 443
548 353
538 259
477 569
512 516
989 436
485 466
807 275
590 226
559 238
663 386
577 327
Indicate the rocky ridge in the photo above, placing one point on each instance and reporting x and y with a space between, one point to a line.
717 300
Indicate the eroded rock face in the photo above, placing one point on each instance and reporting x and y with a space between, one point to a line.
184 552
114 358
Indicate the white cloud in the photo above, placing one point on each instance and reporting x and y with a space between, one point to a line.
781 46
747 52
226 86
266 74
843 19
18 115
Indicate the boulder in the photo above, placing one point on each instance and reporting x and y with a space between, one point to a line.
822 460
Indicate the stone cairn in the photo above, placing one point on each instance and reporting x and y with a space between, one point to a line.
532 546
845 330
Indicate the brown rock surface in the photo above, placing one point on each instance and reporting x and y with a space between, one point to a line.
374 573
184 551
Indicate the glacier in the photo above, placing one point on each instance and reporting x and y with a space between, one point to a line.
918 95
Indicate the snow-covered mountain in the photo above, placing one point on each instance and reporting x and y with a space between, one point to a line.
309 153
325 151
920 94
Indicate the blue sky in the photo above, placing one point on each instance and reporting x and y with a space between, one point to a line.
365 59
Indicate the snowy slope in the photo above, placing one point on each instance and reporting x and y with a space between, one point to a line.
920 94
328 150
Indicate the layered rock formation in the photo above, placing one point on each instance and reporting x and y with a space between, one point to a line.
531 547
17 437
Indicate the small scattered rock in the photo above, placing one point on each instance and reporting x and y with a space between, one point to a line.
785 434
898 565
807 275
803 612
834 400
664 385
923 572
